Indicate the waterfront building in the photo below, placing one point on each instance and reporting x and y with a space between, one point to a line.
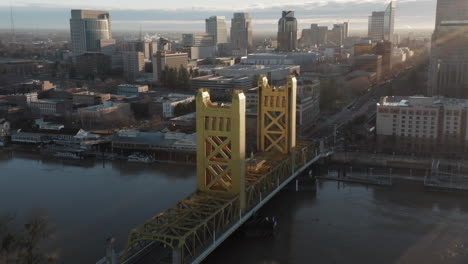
287 32
425 125
381 23
174 146
241 33
168 59
216 26
90 31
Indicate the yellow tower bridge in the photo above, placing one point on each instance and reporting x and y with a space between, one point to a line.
230 187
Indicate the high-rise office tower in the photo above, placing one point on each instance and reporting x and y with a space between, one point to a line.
448 70
241 31
216 26
381 23
451 10
287 32
448 67
90 31
376 21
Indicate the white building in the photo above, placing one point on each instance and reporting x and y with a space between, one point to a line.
423 124
98 111
168 103
202 52
274 72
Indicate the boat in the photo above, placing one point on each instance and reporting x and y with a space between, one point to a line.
140 158
66 155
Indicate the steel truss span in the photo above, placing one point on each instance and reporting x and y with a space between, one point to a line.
230 188
195 223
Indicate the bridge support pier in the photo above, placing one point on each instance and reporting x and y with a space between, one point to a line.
176 256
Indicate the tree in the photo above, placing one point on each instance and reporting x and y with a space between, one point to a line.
36 230
8 238
171 78
183 109
183 78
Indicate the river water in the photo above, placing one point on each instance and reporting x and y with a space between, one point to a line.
328 223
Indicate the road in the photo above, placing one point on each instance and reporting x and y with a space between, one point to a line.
361 105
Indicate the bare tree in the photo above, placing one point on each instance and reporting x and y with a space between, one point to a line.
36 230
8 238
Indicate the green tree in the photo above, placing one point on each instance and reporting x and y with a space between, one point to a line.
183 78
183 109
171 78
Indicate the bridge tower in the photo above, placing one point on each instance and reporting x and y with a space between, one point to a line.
221 145
276 116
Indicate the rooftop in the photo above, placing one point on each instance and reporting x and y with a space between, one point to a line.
222 78
422 101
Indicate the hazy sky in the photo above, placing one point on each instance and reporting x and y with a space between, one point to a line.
186 15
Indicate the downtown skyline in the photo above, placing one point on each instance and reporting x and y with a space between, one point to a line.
190 18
